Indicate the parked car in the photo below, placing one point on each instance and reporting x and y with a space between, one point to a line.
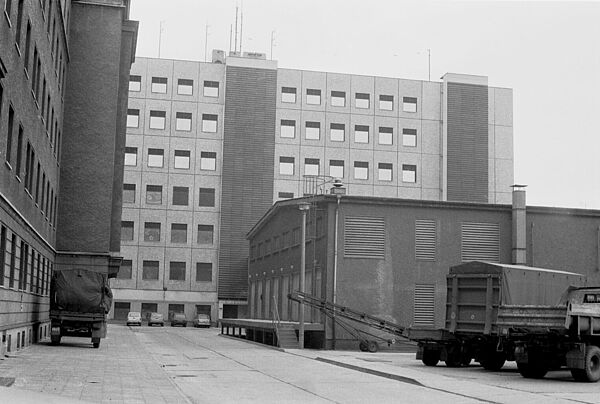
178 319
134 318
156 318
202 320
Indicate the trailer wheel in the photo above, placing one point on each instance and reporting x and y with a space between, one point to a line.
591 373
372 346
363 346
494 361
532 370
430 357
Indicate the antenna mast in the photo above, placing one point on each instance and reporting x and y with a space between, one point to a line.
236 27
241 27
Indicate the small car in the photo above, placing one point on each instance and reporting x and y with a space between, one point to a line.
134 318
202 320
156 318
178 319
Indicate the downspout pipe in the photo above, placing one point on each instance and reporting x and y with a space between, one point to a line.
519 225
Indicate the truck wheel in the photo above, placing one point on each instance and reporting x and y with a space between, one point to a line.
430 357
96 344
591 373
494 362
532 371
372 346
363 346
55 339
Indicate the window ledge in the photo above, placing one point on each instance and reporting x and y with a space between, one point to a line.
8 165
7 18
18 178
18 48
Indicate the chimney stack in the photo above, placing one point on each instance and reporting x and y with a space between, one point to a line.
519 225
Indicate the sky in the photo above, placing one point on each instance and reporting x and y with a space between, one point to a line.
547 52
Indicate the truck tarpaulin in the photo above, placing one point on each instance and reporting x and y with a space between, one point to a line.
80 290
523 285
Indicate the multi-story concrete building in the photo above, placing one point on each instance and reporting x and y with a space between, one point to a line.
64 71
210 147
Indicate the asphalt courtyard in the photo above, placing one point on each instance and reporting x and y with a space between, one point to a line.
186 365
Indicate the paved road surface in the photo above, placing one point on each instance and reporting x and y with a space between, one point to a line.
185 365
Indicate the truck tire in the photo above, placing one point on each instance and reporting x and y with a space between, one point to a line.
430 357
96 344
532 370
494 361
55 339
591 373
363 346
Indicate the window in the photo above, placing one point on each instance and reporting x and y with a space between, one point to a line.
362 100
409 137
27 45
336 168
19 22
177 271
155 157
208 161
288 94
180 196
204 272
159 85
182 159
313 130
157 119
135 83
409 104
385 171
150 270
154 194
338 98
211 89
288 128
285 195
361 170
19 151
185 86
133 118
209 123
286 165
206 197
183 121
2 253
131 156
126 231
361 134
409 173
386 135
178 233
8 7
386 102
311 166
124 270
337 132
313 96
11 118
151 231
128 193
205 234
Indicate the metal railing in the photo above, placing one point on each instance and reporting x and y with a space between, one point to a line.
275 318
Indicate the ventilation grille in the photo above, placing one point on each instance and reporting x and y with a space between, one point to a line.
480 242
425 240
364 237
424 309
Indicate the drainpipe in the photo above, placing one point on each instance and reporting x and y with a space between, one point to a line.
338 190
519 219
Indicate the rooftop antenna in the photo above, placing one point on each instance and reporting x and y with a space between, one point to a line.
272 43
160 31
230 36
206 43
429 64
241 27
236 28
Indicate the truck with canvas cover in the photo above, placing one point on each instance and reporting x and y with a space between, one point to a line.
79 302
476 292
